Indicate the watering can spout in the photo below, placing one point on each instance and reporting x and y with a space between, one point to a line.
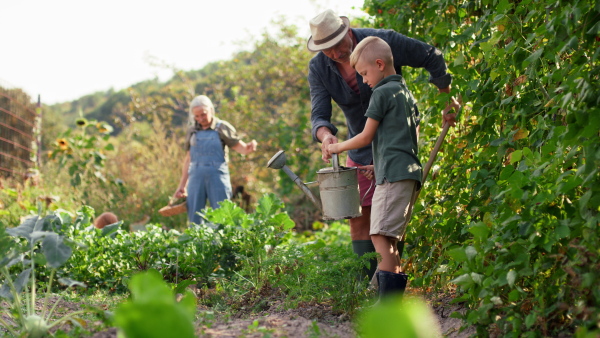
278 162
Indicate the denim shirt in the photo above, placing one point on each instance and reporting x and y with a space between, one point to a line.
326 84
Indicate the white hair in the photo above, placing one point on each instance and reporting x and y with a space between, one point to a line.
199 101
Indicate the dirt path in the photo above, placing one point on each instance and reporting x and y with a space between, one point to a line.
319 321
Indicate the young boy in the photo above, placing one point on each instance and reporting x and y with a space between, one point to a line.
391 126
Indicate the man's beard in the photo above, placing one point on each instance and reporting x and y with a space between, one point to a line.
346 57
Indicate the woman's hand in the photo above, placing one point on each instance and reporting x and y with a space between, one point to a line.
179 193
367 171
245 148
251 147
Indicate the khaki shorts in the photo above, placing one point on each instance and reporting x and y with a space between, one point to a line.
392 208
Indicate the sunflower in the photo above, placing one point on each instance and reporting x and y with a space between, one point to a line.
82 122
104 128
62 144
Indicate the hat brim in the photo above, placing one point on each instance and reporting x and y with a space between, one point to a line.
317 48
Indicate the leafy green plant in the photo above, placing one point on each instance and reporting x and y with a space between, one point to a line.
153 310
320 272
253 235
21 291
395 317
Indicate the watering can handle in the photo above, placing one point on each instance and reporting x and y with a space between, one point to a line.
335 162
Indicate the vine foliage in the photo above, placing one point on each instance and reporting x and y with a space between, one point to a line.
511 214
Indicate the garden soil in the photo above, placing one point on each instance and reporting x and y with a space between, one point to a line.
307 320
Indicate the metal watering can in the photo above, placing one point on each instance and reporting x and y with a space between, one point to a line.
338 188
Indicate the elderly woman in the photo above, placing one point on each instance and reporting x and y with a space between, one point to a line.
205 170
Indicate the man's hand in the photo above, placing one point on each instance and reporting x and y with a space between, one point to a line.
367 171
451 118
326 154
327 138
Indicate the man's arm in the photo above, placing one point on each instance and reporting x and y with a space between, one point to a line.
418 54
322 129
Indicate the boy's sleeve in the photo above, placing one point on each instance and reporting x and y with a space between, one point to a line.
376 109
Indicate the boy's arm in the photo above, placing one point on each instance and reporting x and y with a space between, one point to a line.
363 139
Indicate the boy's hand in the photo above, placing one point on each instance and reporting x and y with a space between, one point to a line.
451 118
367 171
333 149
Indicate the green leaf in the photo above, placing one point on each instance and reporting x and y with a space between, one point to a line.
268 205
504 6
458 254
530 319
55 250
71 282
595 30
110 229
459 60
464 281
533 57
392 316
480 231
18 284
506 172
471 252
562 231
24 229
282 220
516 156
514 295
153 311
511 277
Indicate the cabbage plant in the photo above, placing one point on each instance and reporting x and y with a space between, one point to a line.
21 318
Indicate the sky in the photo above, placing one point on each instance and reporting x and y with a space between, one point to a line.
64 49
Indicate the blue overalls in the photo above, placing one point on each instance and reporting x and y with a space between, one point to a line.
208 174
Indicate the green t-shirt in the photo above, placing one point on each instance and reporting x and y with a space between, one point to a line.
395 149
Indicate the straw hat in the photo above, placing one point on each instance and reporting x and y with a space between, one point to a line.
327 30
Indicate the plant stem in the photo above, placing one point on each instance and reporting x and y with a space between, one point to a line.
67 317
17 298
53 307
48 292
5 324
237 273
32 309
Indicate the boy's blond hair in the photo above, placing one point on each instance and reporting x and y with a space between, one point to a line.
370 49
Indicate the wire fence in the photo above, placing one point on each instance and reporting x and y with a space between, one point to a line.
20 130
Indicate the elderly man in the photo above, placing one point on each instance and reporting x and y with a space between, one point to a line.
331 77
